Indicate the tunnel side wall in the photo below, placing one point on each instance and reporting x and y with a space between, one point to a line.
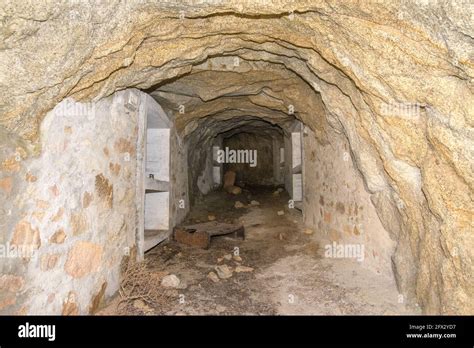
69 214
338 207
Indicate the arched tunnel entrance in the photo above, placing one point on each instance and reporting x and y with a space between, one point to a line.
242 158
305 173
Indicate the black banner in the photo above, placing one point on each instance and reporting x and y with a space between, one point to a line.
194 330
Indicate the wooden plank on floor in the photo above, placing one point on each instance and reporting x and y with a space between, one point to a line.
200 234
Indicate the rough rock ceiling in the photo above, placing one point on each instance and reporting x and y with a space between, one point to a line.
236 89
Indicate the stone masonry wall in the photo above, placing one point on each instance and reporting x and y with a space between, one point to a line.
73 207
337 205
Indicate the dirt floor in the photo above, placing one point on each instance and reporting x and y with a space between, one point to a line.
284 273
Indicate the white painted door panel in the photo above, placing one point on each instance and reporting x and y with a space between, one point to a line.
157 211
158 153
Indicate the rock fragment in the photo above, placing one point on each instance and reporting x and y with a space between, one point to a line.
240 269
239 205
213 277
223 271
170 281
211 217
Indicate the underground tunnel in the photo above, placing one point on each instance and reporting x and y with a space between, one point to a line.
236 158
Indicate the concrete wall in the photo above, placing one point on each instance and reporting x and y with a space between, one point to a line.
205 181
179 189
337 205
218 168
293 161
278 160
74 206
287 168
166 158
171 159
